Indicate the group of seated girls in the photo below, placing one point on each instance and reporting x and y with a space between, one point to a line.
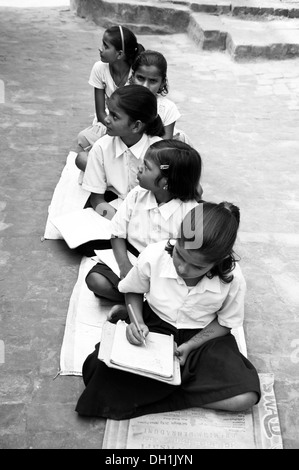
184 266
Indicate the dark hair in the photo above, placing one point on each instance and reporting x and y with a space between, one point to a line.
140 104
149 58
131 46
212 228
183 167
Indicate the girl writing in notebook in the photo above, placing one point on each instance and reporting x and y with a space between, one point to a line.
195 291
110 171
168 188
118 52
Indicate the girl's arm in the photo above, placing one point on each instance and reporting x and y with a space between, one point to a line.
102 207
136 302
119 247
169 131
212 330
99 97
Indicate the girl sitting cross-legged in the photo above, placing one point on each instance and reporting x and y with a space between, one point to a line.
111 167
195 291
118 51
168 189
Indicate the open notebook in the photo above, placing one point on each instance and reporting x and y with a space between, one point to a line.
107 257
156 360
83 225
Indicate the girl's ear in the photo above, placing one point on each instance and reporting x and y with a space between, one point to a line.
137 127
120 54
163 183
162 86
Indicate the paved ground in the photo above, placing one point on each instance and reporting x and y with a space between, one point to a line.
243 118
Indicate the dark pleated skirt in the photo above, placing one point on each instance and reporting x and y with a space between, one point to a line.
215 371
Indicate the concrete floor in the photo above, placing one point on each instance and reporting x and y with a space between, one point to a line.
243 118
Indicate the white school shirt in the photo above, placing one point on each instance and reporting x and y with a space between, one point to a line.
142 221
169 297
100 77
167 110
112 166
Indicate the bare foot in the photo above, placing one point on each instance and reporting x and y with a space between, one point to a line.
117 312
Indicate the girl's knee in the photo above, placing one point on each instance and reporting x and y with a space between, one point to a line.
82 141
238 403
245 401
96 282
102 287
81 160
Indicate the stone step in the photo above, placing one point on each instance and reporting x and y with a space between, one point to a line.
246 39
139 28
246 29
243 8
169 18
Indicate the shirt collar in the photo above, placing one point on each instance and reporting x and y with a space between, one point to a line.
166 210
168 270
137 149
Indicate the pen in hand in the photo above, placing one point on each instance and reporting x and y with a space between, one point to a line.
136 323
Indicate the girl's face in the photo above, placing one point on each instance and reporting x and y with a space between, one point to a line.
148 173
150 77
117 122
108 52
189 264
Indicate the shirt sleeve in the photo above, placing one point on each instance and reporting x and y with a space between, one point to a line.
96 78
138 278
120 221
94 179
168 111
231 314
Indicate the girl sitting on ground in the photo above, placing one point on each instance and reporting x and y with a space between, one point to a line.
195 291
111 167
168 189
150 70
119 50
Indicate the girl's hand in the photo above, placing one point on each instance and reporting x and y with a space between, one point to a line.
182 353
134 337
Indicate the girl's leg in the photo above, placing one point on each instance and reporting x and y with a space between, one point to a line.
82 140
238 403
87 137
81 160
102 287
218 376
